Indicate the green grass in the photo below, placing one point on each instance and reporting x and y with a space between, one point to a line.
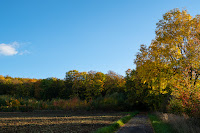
116 125
159 126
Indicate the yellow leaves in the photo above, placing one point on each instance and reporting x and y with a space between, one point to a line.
176 46
164 92
2 77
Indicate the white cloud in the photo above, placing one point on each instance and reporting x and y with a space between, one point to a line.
13 48
8 49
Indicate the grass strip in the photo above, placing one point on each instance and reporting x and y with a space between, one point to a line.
116 125
159 126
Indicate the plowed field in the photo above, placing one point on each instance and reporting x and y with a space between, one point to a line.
55 121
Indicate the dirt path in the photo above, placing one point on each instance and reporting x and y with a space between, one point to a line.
138 124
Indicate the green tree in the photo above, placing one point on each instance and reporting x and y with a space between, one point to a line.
94 84
114 83
50 88
78 81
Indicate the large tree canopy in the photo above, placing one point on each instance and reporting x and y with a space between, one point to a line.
173 57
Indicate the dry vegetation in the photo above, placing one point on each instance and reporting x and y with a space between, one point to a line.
181 124
56 121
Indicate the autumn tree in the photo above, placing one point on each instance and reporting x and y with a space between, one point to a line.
67 91
139 95
3 88
114 83
77 81
172 61
95 84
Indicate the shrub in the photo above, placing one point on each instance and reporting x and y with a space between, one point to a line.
115 101
2 102
186 101
175 106
71 104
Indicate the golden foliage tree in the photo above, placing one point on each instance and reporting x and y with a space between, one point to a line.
173 58
175 52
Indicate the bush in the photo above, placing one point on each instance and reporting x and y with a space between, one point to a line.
12 104
4 99
175 106
71 104
2 102
115 101
186 101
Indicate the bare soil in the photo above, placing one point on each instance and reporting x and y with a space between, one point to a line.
56 121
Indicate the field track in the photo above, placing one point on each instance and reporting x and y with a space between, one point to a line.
138 124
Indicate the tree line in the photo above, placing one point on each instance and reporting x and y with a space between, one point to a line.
85 85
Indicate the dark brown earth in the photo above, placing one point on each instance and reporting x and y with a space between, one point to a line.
138 124
56 121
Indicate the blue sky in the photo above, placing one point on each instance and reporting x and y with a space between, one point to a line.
47 38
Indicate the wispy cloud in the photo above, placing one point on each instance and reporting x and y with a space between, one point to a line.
11 49
24 52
